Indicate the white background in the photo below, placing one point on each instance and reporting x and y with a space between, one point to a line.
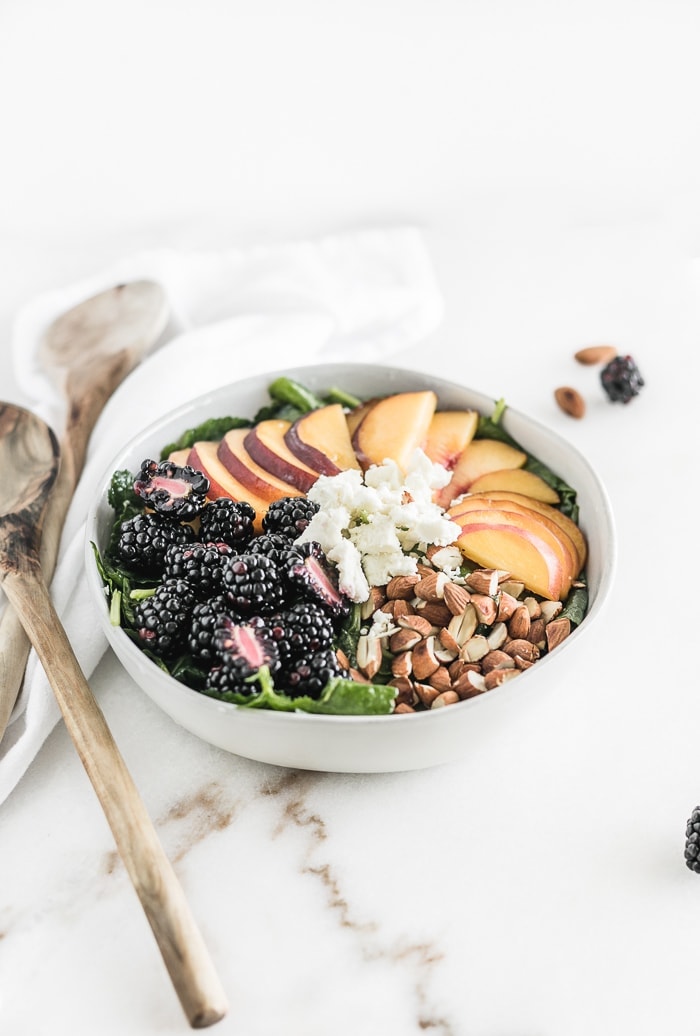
551 154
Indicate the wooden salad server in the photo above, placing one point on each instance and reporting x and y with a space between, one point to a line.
88 352
29 462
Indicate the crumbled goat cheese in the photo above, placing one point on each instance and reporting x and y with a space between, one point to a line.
368 525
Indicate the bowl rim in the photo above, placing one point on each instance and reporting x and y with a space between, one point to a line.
121 644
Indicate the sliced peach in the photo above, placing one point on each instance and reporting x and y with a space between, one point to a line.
482 501
500 498
511 541
179 457
394 427
236 459
449 432
321 440
266 445
204 457
358 414
478 458
517 480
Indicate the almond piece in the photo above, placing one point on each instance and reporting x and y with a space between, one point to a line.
522 649
369 655
519 623
484 580
403 707
596 354
570 401
402 665
427 587
401 587
556 631
417 623
456 597
426 693
498 676
435 612
496 660
446 698
403 640
469 685
440 680
485 608
424 661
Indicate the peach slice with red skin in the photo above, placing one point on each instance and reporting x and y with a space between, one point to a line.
480 502
519 544
204 457
449 433
358 414
503 499
236 459
321 440
516 480
266 445
478 458
393 428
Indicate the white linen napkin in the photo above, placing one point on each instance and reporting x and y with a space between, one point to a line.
358 296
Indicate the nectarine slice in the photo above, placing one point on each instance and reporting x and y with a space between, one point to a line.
265 444
478 502
322 441
449 432
358 414
236 459
478 458
507 540
394 427
204 457
501 498
517 480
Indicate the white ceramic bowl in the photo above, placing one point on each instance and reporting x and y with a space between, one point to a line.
356 744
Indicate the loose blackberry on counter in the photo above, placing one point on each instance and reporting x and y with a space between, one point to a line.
253 585
310 575
621 379
289 515
227 521
692 841
201 564
162 620
179 492
144 539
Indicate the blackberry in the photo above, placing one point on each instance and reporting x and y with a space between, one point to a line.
241 648
170 489
253 585
692 841
162 620
311 674
304 629
290 516
202 626
201 564
310 574
144 539
621 379
273 545
227 521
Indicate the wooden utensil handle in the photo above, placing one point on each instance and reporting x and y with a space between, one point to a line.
181 945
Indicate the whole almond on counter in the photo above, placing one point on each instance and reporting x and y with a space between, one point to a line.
596 354
570 401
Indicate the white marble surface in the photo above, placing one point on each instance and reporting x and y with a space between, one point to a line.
551 154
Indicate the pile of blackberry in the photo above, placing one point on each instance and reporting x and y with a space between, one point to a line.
226 599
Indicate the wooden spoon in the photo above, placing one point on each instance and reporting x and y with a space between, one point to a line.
88 352
29 461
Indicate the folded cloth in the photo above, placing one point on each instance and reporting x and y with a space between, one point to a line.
358 296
